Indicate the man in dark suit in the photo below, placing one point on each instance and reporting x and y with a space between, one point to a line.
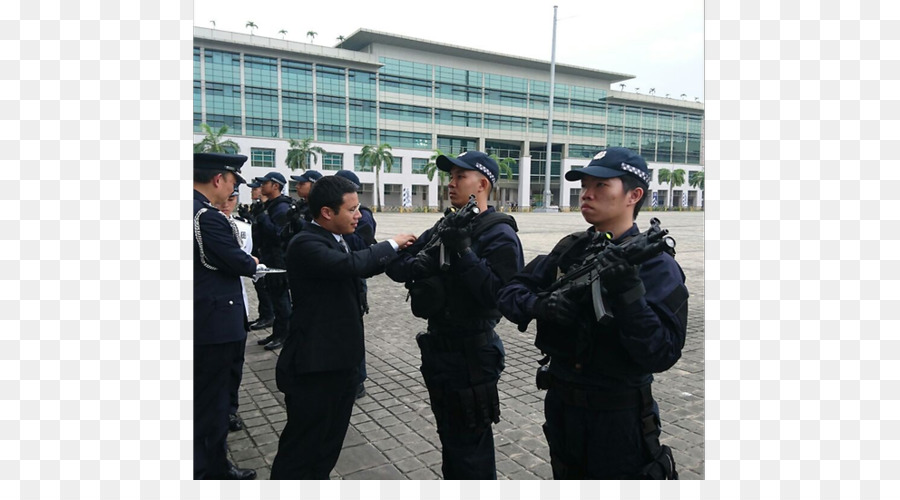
318 368
220 319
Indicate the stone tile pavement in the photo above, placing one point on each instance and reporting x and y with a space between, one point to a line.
392 432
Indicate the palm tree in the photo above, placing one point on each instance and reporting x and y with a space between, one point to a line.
213 23
299 153
312 36
375 156
282 33
667 96
697 180
622 86
652 90
430 169
696 99
674 178
213 142
505 166
683 96
637 89
251 25
340 40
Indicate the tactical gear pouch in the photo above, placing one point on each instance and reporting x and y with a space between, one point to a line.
662 467
427 296
474 408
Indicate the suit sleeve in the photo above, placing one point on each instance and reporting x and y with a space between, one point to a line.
400 269
323 259
220 248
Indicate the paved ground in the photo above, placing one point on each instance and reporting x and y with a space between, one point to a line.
392 432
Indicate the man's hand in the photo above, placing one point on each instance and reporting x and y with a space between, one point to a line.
456 239
556 308
423 266
404 240
622 280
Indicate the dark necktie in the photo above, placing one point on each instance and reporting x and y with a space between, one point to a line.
344 245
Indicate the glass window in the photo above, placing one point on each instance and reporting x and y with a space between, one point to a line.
260 157
405 112
456 145
402 139
503 122
332 161
362 84
583 150
457 118
358 166
330 81
222 67
418 165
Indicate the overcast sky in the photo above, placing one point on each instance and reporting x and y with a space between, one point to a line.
660 42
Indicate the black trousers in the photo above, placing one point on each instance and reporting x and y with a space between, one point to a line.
318 412
280 296
236 374
212 387
265 303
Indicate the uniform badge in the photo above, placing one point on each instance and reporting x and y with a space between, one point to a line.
599 155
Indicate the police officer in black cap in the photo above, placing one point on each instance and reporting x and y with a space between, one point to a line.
266 314
298 214
601 420
363 237
271 223
462 357
220 319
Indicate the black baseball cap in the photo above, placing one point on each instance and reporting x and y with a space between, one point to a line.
220 162
471 160
613 162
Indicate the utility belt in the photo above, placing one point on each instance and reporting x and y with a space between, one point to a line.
475 406
454 343
662 465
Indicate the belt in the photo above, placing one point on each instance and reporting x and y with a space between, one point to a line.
595 399
448 342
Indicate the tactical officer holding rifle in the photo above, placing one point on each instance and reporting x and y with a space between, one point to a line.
453 272
617 315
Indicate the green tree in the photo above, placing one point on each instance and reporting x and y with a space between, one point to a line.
299 153
697 180
674 178
251 25
282 33
341 39
376 156
213 142
430 169
505 166
312 36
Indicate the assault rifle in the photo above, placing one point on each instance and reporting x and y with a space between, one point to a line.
605 257
453 217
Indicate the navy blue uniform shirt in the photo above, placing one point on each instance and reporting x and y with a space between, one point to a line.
219 314
644 337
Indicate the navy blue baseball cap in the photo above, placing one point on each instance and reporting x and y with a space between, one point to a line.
272 176
471 160
255 184
220 162
613 162
350 176
308 176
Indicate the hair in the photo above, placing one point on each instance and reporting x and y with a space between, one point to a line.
329 192
204 176
629 182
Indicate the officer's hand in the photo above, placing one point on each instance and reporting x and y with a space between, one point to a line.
456 239
556 308
622 278
404 240
423 266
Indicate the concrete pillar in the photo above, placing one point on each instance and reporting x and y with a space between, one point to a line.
525 182
564 188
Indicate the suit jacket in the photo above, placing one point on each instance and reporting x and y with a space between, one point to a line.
219 313
326 291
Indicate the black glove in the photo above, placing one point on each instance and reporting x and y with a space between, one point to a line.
622 280
456 239
556 308
423 266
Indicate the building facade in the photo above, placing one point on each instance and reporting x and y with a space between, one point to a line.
421 96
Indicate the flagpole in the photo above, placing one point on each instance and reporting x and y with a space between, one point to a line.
549 153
